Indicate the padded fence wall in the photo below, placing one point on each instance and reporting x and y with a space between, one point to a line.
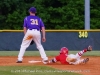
73 40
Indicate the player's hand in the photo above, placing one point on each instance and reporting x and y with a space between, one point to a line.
43 39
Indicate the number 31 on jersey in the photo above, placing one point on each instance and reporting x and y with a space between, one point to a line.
34 21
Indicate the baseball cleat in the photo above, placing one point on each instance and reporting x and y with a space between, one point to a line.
85 60
45 61
19 62
89 48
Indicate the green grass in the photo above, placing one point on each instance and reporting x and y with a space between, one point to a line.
49 53
33 70
37 70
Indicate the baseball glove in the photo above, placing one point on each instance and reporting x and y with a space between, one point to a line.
32 42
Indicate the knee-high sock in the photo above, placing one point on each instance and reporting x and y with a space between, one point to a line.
80 53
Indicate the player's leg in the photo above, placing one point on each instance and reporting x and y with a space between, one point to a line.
80 53
25 43
37 40
71 59
81 61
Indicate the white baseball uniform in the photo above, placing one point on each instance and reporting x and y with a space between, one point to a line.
37 39
33 24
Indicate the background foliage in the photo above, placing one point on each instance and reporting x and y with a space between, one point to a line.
56 14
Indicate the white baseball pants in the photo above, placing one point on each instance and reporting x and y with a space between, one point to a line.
30 35
77 57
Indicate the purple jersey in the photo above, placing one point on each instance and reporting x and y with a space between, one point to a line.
33 22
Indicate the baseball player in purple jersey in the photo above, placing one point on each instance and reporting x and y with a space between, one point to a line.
32 26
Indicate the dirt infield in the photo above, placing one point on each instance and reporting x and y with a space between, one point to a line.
91 68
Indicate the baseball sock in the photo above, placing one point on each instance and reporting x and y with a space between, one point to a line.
82 52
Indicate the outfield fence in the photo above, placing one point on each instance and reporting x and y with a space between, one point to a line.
73 39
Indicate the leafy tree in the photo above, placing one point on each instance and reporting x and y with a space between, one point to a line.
95 13
56 14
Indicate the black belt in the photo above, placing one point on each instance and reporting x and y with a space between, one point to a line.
33 29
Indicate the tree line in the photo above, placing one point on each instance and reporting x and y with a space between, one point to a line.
56 14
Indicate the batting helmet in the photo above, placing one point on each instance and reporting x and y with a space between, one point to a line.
32 9
64 50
